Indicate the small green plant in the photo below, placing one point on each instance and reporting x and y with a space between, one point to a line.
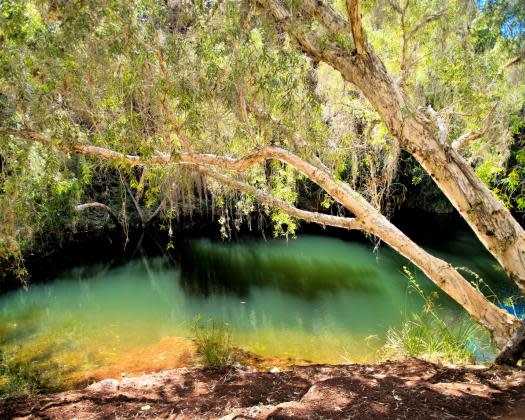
511 303
428 335
18 378
213 342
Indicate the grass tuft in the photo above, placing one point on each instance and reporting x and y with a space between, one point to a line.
428 336
213 342
18 378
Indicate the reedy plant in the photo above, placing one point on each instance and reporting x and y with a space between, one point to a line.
213 341
19 377
429 336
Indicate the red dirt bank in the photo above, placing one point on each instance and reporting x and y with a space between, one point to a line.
410 389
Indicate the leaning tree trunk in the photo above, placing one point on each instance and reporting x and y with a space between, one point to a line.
492 222
419 132
499 322
416 130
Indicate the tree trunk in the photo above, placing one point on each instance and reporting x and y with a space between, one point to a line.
514 349
499 322
492 222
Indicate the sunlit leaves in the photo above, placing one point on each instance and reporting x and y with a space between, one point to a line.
150 77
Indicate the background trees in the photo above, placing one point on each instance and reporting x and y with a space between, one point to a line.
264 97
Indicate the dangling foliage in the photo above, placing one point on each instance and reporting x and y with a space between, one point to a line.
147 78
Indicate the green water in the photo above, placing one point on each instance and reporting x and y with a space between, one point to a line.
315 298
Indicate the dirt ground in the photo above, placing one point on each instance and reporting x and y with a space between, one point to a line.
410 389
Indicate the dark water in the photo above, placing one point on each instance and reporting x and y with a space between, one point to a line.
316 298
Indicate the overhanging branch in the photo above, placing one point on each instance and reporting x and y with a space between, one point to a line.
340 192
498 321
266 198
202 162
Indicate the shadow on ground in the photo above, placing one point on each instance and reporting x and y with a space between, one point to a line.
411 389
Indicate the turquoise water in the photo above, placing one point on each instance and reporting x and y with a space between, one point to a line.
315 298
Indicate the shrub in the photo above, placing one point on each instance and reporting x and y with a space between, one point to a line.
213 342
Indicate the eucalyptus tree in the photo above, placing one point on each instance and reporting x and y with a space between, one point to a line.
217 92
418 127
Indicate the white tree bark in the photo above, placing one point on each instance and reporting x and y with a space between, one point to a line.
499 322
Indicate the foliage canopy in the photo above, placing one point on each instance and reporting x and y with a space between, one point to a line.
151 77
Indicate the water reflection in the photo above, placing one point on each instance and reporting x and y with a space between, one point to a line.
297 268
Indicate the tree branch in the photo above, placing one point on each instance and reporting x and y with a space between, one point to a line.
404 49
308 40
516 60
266 198
471 136
136 205
154 215
406 56
100 206
425 21
354 14
366 71
512 62
244 111
498 321
395 6
185 143
340 192
225 163
326 16
140 186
